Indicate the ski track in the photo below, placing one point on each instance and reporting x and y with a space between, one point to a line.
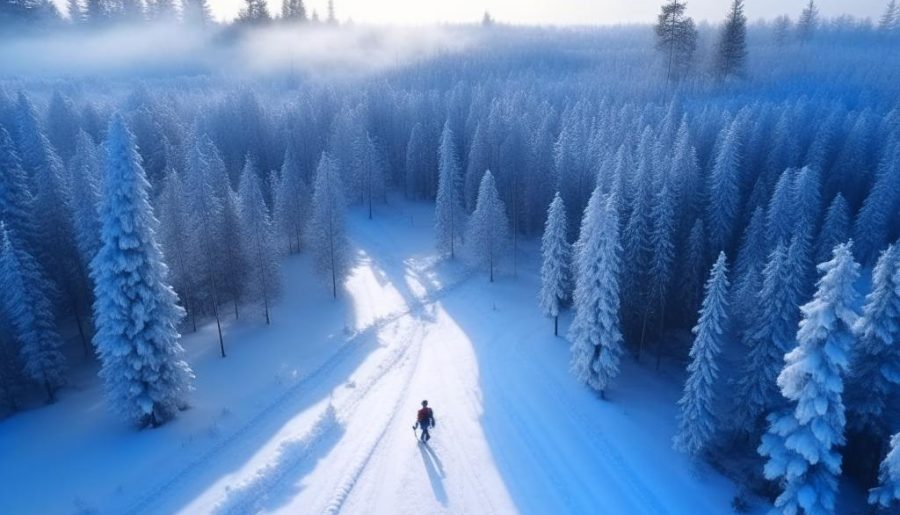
170 488
246 497
346 486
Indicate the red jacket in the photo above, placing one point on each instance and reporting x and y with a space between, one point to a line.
426 416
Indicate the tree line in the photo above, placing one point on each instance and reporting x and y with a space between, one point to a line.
158 205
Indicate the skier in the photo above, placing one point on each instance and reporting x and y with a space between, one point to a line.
425 419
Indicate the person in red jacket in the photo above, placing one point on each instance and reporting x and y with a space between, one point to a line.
425 420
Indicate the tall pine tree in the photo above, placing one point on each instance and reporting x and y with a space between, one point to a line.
556 253
596 338
697 422
136 312
325 230
487 239
801 443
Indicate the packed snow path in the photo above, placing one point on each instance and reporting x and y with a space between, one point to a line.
515 432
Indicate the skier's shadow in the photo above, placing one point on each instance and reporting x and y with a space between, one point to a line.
435 470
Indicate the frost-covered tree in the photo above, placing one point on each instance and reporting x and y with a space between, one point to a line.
596 338
808 22
233 258
136 312
293 10
292 201
84 172
325 233
478 162
801 442
724 189
697 421
676 37
16 201
835 229
204 218
879 211
57 252
874 375
449 214
782 214
732 48
487 238
662 242
30 314
174 240
258 241
887 493
769 335
890 19
368 171
556 254
690 284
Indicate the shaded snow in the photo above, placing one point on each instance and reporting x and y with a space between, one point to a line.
313 414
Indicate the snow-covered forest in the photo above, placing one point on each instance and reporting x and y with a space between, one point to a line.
711 208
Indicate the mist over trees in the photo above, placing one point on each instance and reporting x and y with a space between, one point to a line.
707 177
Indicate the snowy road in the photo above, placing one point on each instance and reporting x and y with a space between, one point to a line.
515 432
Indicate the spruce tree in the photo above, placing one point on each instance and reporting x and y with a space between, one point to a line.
30 314
368 171
478 162
691 276
258 241
724 189
174 235
890 21
808 22
84 173
873 223
325 233
697 422
732 49
887 494
292 201
802 440
16 201
487 238
449 214
835 229
676 37
556 254
204 209
293 10
875 361
770 334
136 312
662 241
596 338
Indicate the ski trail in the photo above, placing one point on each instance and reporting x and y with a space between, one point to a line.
251 495
175 485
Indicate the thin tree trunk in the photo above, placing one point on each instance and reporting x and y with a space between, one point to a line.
219 327
643 334
662 323
84 342
556 325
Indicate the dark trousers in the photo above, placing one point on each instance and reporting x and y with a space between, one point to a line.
425 436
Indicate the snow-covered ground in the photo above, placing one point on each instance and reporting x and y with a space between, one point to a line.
313 414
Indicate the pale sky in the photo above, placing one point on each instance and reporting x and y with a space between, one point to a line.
560 12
